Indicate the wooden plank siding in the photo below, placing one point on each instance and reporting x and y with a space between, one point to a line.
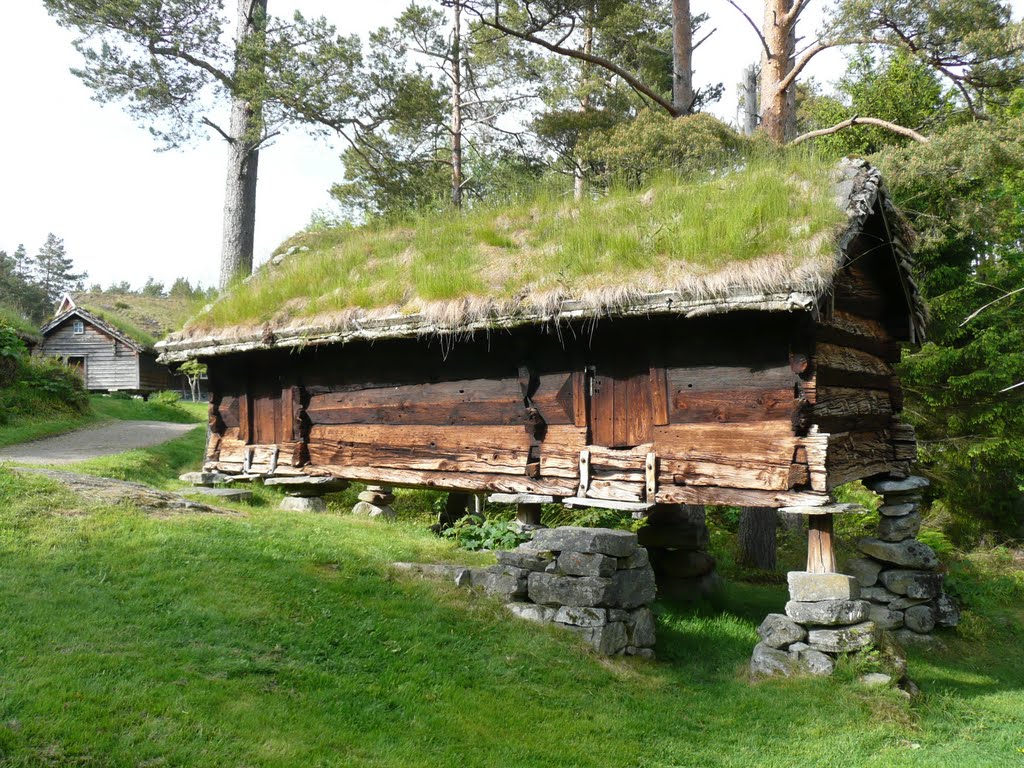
772 417
109 364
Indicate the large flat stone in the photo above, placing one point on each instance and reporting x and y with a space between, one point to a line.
224 494
864 569
914 584
828 612
531 560
602 541
811 587
206 478
638 559
767 662
910 554
878 595
607 640
899 528
843 639
633 588
907 484
897 510
780 631
558 590
540 614
502 581
586 564
581 617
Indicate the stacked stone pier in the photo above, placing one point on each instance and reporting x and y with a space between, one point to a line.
376 501
898 574
825 617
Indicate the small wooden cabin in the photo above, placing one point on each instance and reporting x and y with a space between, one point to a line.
107 358
767 383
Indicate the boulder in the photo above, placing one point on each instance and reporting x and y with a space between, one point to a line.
607 640
843 639
502 581
906 485
947 613
205 478
586 564
640 628
584 591
374 497
885 617
828 612
902 603
767 661
303 504
633 588
920 619
812 587
909 637
910 553
896 510
812 662
681 563
540 614
875 679
778 631
372 510
899 528
864 570
531 560
602 541
913 584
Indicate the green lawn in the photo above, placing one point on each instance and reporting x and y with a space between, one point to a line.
101 408
283 639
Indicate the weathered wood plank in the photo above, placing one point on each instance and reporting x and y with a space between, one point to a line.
453 481
845 409
821 556
659 397
739 497
854 455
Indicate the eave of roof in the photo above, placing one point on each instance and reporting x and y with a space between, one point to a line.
87 316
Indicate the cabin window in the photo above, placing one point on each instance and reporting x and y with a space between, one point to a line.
79 327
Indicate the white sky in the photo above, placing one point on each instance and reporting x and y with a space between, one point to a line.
90 174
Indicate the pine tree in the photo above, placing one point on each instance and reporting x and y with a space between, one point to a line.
53 270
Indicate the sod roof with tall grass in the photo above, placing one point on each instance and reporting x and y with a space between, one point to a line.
767 235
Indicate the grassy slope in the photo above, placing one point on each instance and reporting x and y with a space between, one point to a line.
282 639
58 421
544 244
144 318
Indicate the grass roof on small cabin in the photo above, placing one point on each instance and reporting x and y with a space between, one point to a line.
769 235
143 318
24 327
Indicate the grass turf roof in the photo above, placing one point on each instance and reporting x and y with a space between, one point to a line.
755 228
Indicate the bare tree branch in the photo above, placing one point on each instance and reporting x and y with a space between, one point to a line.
629 78
799 64
753 24
856 120
978 311
224 134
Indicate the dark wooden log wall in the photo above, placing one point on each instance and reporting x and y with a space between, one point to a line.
747 409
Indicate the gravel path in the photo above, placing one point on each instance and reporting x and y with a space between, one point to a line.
89 443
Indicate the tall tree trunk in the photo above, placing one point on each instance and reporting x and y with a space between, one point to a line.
243 161
579 182
757 538
778 118
457 105
682 58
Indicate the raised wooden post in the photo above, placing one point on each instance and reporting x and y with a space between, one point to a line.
528 514
821 557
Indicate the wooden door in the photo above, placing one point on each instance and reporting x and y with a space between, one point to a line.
621 407
77 364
